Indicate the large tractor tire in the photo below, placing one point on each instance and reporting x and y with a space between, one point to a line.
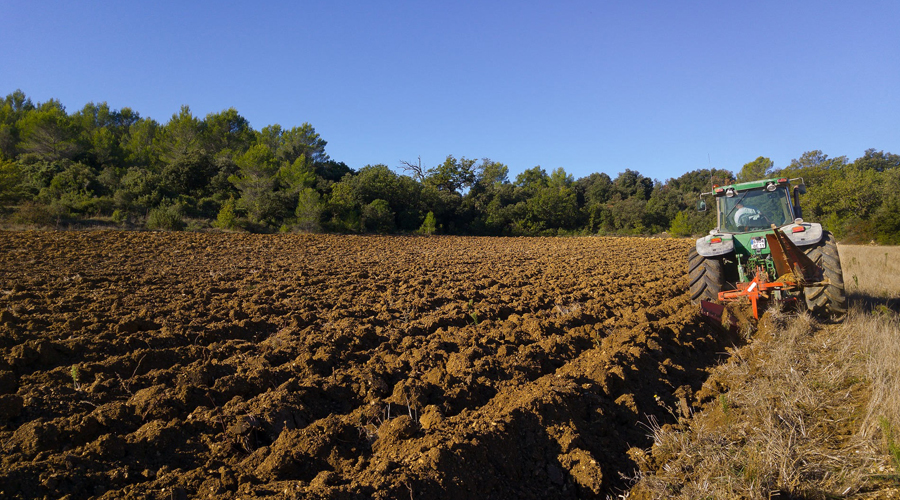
706 276
829 301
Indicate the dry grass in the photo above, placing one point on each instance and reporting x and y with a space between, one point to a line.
871 272
872 277
805 410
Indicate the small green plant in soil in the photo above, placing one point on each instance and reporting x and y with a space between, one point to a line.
76 379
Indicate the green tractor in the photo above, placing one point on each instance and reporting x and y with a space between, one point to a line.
763 253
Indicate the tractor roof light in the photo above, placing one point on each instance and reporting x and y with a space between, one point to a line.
719 191
729 192
770 186
783 180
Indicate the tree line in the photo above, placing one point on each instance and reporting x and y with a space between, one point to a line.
115 166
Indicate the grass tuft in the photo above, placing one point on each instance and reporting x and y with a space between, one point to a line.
893 447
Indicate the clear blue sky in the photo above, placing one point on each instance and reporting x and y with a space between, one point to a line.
660 87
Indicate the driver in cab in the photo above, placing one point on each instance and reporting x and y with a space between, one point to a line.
745 216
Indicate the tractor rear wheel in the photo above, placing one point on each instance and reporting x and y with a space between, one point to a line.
829 301
706 276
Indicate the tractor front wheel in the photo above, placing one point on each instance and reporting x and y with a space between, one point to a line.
706 275
828 301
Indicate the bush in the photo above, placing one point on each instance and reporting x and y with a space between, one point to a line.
309 210
226 219
428 227
39 214
120 217
378 217
680 226
165 218
208 207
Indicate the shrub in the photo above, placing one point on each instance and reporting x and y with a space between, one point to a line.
120 217
39 214
378 217
680 226
309 210
165 218
208 207
226 219
428 227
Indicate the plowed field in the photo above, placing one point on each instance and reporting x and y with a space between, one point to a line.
166 365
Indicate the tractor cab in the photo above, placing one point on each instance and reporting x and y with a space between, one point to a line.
746 209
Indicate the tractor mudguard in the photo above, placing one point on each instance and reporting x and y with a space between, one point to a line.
803 233
714 245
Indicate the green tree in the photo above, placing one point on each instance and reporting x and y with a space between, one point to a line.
631 183
700 181
332 171
309 210
886 219
298 175
138 190
813 166
12 109
401 192
488 196
429 226
10 181
226 133
680 226
594 192
452 176
139 144
760 168
256 181
491 173
342 208
532 180
181 136
626 216
378 217
227 218
187 166
76 178
559 179
877 160
289 145
46 133
553 207
100 131
553 203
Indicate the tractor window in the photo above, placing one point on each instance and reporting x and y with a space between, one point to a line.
755 209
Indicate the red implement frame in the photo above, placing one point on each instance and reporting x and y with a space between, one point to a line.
757 289
793 268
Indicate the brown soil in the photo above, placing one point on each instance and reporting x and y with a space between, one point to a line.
164 365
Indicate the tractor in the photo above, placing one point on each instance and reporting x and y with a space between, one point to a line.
763 254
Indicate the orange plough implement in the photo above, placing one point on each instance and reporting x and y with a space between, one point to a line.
793 271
